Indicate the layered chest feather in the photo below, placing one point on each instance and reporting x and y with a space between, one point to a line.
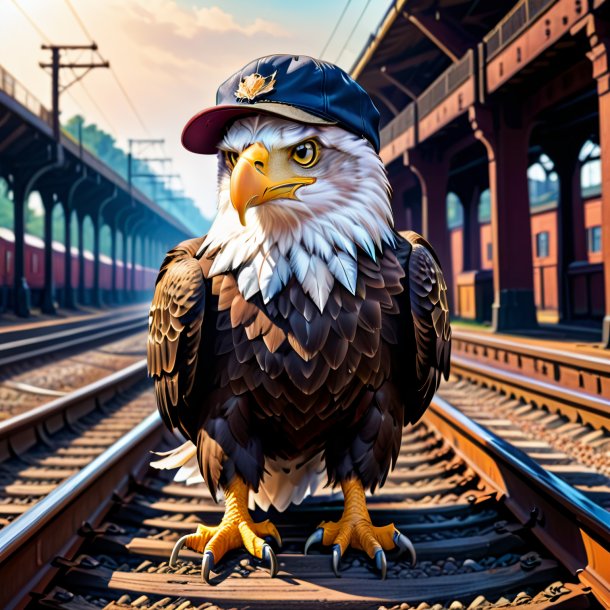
288 352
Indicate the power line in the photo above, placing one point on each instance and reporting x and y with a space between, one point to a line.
113 129
353 30
31 22
85 90
335 28
76 102
133 107
78 19
114 74
48 41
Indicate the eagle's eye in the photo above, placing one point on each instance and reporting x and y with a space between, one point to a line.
231 158
307 153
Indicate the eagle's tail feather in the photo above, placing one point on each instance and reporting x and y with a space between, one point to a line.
175 457
285 482
183 457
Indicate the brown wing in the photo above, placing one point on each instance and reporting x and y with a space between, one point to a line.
174 332
429 310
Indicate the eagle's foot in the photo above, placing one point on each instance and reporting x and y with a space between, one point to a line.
355 529
236 530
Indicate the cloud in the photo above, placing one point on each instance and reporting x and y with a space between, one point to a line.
191 22
170 55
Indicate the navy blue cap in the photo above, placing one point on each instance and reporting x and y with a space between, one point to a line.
293 86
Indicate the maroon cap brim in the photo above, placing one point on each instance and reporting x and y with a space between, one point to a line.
205 130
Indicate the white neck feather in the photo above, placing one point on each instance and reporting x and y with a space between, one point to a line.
317 238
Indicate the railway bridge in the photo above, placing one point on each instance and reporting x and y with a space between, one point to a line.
64 173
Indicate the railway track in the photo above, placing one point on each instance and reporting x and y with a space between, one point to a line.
574 383
491 526
29 384
554 405
44 447
28 344
574 451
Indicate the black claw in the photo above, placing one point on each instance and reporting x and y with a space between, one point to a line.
176 550
381 563
315 538
336 560
271 559
274 542
207 564
404 545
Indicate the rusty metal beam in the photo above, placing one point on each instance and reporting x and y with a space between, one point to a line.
408 92
443 36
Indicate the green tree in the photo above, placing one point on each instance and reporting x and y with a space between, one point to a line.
104 147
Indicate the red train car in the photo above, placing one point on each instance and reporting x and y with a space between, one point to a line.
34 271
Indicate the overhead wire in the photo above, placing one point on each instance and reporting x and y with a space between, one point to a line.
124 91
31 22
78 20
353 30
112 70
129 101
98 107
42 34
332 34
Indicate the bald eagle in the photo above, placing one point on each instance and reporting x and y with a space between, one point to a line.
293 342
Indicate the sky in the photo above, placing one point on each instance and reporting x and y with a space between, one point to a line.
170 56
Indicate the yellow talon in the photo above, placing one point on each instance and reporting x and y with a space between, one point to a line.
236 529
355 529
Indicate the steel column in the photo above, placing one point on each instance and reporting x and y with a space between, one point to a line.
22 187
48 294
507 153
68 205
21 290
80 219
598 34
432 170
98 223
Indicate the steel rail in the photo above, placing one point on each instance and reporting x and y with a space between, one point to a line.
571 526
113 382
575 404
51 525
21 432
33 347
580 361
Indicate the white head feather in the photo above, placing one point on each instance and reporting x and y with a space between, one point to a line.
315 237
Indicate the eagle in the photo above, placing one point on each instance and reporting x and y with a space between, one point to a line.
292 342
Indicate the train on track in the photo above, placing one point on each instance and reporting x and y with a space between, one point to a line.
34 272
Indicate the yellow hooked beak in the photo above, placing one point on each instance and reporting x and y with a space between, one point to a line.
253 181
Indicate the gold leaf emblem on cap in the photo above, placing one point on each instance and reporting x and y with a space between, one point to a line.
254 85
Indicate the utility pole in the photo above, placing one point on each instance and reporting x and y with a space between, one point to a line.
56 65
136 141
131 174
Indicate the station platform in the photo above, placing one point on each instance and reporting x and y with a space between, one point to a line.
13 328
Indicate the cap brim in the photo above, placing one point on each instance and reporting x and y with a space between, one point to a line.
205 130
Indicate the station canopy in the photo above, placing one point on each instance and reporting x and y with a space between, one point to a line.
416 41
